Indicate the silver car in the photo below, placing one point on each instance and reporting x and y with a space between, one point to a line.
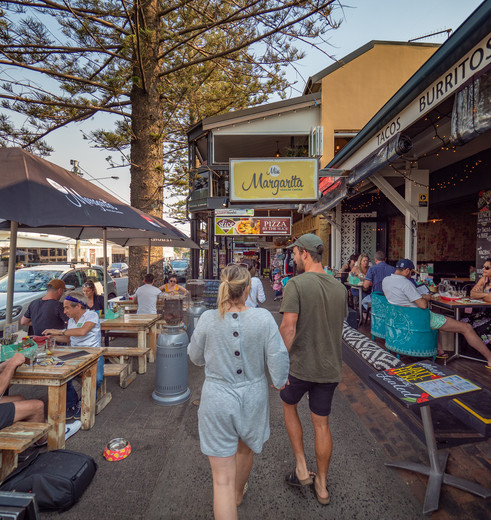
31 282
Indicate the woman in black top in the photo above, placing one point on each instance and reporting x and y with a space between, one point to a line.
95 301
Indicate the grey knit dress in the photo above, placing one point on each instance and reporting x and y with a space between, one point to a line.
235 351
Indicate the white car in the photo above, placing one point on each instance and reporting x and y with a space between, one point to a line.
31 282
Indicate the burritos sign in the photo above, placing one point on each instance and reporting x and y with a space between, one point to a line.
279 179
237 226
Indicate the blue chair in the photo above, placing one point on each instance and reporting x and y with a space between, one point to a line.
378 312
407 332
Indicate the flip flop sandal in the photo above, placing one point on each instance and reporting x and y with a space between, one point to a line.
293 480
488 366
323 500
441 356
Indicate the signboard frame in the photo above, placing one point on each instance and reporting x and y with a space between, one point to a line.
261 226
269 178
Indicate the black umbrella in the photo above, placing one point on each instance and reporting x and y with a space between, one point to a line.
37 193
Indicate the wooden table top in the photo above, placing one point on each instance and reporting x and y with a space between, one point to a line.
131 321
458 279
60 374
463 302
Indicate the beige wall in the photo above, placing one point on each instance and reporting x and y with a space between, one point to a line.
317 225
353 94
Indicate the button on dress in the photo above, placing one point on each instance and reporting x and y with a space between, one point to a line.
235 351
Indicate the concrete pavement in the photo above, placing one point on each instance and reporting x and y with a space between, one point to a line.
167 477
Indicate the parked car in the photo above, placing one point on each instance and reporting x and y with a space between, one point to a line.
181 269
118 269
31 282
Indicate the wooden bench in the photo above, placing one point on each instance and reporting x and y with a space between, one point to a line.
130 352
120 370
15 439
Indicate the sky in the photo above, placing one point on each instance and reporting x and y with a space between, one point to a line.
361 22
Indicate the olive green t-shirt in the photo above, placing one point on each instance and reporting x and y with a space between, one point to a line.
321 304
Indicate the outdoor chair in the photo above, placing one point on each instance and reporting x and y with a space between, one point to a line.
378 312
407 332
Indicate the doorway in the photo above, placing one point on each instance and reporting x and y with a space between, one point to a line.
371 236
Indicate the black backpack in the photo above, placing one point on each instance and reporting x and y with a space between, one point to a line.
57 478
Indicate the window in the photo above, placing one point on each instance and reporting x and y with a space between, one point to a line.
52 252
94 274
73 278
60 252
44 252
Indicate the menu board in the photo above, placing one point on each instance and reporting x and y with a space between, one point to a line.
210 293
483 229
423 382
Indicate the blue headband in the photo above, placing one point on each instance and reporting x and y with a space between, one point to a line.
75 300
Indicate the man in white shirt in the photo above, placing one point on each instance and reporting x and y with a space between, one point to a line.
399 290
84 331
146 296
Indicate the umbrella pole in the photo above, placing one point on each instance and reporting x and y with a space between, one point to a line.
104 252
11 272
148 260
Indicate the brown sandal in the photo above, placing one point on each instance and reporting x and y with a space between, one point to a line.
293 480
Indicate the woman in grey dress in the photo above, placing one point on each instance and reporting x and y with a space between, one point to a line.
235 343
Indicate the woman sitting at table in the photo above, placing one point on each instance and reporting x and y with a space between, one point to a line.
172 286
95 302
84 331
357 276
481 321
349 266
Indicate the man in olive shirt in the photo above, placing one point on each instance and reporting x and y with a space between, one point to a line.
314 307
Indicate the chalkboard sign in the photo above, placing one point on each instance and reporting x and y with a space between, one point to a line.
210 293
483 242
421 383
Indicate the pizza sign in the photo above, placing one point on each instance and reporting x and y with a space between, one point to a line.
237 226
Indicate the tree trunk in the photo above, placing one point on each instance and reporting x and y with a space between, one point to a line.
147 137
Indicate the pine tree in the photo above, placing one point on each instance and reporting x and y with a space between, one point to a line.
158 65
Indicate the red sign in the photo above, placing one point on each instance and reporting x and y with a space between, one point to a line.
275 226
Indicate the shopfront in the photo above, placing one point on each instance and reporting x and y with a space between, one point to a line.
415 172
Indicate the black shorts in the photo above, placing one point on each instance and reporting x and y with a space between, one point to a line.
320 394
7 414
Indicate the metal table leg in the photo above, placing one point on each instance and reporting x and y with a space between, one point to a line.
436 469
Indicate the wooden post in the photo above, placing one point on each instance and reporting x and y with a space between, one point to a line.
89 385
56 416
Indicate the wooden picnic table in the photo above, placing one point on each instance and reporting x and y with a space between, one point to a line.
145 325
56 378
457 307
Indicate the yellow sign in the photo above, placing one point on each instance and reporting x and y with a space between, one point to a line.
282 179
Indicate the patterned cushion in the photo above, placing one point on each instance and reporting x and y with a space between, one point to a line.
378 357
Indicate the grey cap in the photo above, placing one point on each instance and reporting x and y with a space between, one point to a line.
309 242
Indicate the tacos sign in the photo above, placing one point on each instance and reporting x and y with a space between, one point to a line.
279 179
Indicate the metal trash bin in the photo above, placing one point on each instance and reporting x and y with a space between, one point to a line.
171 380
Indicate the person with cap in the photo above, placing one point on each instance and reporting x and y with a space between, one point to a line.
399 290
46 312
375 275
314 308
84 330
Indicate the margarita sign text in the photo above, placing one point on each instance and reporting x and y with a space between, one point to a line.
266 180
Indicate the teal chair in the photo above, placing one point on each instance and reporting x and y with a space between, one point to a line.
378 312
407 332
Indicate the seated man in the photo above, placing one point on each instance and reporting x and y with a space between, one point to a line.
46 312
84 331
375 275
14 408
400 291
146 296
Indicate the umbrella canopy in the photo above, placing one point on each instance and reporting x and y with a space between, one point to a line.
37 193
